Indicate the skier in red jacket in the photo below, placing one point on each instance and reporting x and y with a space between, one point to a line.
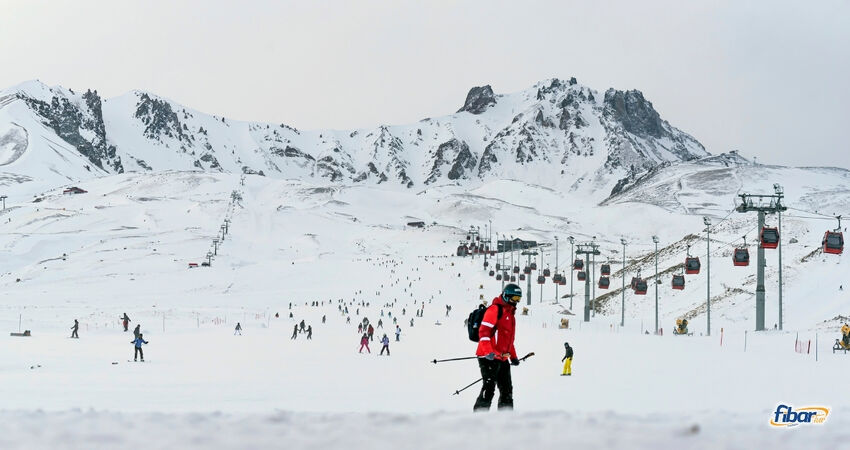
496 352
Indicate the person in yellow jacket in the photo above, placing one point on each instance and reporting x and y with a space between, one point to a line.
567 360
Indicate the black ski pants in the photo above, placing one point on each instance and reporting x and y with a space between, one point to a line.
138 353
495 374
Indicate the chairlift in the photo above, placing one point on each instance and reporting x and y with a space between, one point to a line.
678 282
578 264
769 237
605 269
604 282
582 275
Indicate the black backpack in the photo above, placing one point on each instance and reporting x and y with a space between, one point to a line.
474 321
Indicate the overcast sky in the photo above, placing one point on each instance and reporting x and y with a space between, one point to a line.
770 78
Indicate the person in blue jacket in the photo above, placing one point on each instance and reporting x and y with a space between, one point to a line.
138 342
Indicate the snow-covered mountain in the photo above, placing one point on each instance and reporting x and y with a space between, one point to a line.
558 132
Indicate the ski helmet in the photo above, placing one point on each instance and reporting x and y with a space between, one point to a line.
512 293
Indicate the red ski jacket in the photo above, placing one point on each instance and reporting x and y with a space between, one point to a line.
496 335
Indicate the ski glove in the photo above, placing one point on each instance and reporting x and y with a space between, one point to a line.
490 356
514 362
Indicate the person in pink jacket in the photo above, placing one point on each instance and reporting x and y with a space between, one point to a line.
364 342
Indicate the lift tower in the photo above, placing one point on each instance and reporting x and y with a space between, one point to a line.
587 250
762 204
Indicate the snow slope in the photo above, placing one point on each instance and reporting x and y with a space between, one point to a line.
125 247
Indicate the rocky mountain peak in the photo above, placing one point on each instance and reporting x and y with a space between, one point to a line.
635 112
478 100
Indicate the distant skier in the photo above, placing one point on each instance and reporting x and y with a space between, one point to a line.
74 329
411 322
324 318
310 332
397 333
238 329
303 327
386 341
126 321
567 360
295 332
137 331
364 342
371 333
348 319
138 346
359 328
380 323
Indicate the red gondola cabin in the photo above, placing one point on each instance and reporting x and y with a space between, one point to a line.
769 237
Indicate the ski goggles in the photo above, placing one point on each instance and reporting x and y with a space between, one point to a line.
514 298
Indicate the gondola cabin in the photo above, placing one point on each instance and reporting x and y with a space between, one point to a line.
492 272
582 275
741 257
541 279
516 269
513 278
833 242
633 282
556 278
640 287
692 265
522 277
533 266
486 263
499 277
526 270
578 264
547 272
563 281
769 237
604 282
498 266
462 250
606 269
678 282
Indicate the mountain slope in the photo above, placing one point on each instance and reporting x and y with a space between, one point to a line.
559 132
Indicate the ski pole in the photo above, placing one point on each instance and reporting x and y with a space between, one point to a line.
468 386
452 359
476 381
